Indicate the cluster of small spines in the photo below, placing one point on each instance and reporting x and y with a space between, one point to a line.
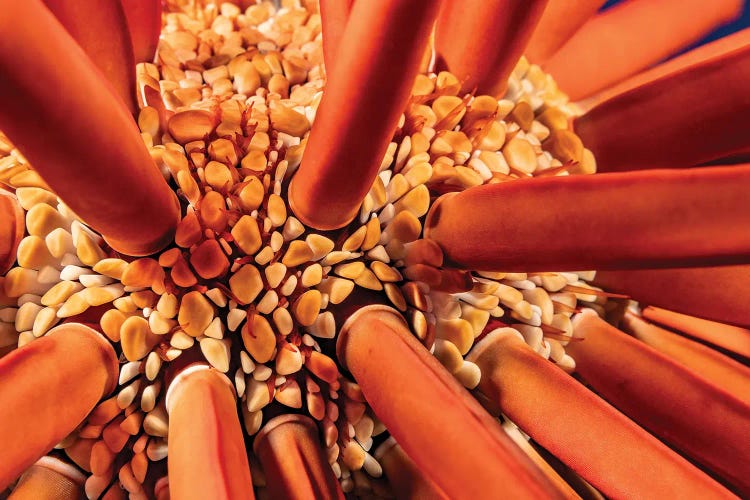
303 272
142 318
53 279
231 83
14 171
445 142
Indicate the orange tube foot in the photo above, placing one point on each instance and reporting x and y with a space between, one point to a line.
602 445
207 457
49 479
666 397
480 41
440 426
644 219
86 146
366 93
41 407
288 447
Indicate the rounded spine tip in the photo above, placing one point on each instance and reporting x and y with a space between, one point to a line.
315 216
136 248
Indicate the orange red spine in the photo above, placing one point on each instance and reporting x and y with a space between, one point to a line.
480 41
630 37
367 89
45 405
450 437
86 146
666 397
11 230
101 30
207 457
560 20
714 293
598 442
288 447
655 218
685 118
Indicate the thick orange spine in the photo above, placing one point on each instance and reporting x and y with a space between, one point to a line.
101 30
701 54
406 480
42 406
728 337
288 447
598 442
334 15
655 218
207 457
666 397
560 20
685 118
450 437
49 479
718 369
630 37
480 41
85 145
144 24
367 90
11 230
714 293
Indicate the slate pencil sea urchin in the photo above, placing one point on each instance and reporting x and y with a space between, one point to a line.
330 224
